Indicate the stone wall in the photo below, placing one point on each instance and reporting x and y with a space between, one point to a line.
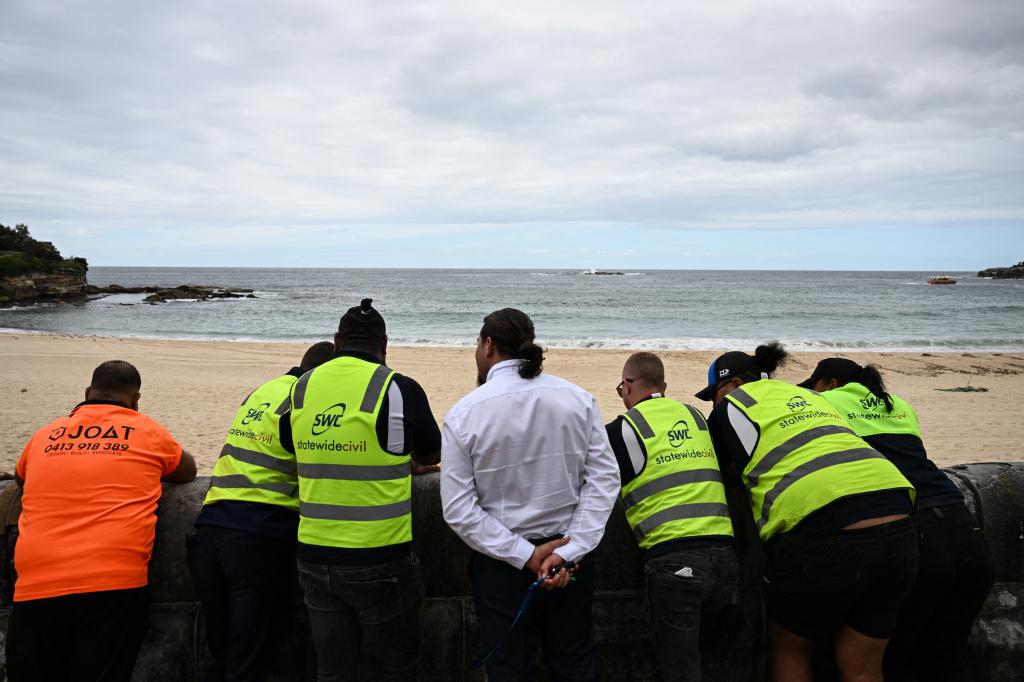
175 650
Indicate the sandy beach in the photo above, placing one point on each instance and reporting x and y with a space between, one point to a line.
194 387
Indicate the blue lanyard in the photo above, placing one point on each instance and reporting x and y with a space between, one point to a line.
523 606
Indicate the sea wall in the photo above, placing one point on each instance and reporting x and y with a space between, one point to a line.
734 651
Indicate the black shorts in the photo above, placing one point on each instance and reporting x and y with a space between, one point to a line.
856 578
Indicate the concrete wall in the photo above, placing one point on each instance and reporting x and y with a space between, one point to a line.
175 649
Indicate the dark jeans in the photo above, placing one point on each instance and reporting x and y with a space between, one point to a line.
376 606
88 637
243 581
685 587
953 580
558 621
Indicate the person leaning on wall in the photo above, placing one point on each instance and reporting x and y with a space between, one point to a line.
833 512
675 505
359 430
955 572
91 486
242 555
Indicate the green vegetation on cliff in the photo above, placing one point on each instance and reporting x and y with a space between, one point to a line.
21 254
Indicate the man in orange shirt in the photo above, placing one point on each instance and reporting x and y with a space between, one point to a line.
91 485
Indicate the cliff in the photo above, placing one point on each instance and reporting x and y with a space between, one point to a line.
31 269
1012 272
31 286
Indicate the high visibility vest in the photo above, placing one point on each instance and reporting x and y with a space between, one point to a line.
867 414
679 491
253 467
806 457
352 493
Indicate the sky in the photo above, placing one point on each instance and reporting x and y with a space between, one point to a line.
854 134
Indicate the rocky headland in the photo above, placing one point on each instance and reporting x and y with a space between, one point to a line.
31 270
1012 272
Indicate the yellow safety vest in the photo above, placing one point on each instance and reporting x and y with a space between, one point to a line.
867 414
353 494
806 457
253 467
679 491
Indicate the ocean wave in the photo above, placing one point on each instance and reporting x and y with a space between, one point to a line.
983 345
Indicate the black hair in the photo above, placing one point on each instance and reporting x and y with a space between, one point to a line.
770 356
116 377
316 355
871 379
512 332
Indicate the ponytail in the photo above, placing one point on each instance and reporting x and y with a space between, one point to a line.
770 357
533 359
871 379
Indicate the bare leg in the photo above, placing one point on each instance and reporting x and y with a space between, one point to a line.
859 657
791 656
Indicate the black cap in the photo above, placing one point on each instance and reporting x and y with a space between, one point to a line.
362 322
728 366
840 369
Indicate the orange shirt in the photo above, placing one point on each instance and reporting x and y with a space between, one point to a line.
92 482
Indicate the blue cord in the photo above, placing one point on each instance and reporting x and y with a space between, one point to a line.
522 610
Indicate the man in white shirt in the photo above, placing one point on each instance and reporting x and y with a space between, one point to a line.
528 480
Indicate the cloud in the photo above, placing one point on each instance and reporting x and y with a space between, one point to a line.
213 120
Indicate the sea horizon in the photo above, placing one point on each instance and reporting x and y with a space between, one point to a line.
648 309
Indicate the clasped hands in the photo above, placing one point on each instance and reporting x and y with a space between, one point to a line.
544 558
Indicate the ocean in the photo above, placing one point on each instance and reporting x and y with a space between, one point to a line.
654 309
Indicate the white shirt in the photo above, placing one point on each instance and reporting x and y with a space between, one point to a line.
526 459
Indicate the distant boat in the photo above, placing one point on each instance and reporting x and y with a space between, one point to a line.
942 280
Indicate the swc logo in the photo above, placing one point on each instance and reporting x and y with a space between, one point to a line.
328 419
255 414
797 404
871 402
678 434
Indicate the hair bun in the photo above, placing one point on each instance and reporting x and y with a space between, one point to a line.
770 356
365 304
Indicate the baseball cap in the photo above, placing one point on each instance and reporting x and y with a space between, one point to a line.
727 366
362 322
833 368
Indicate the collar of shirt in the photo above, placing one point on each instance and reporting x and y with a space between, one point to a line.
504 367
295 372
358 354
85 403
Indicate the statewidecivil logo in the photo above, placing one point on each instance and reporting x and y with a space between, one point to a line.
255 414
328 419
678 434
871 402
797 404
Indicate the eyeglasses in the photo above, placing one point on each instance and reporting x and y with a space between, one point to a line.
618 389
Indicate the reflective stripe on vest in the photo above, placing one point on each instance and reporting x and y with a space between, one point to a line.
867 414
253 467
679 492
353 493
806 457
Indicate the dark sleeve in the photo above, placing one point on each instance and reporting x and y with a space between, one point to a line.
284 431
614 429
728 447
423 437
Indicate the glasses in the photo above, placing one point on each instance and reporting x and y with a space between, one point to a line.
618 389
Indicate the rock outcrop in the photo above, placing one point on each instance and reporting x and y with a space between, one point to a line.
31 286
1012 272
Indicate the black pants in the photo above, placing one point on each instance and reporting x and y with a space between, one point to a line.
558 621
243 581
88 637
953 580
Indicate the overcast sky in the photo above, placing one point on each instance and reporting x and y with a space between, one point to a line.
859 134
